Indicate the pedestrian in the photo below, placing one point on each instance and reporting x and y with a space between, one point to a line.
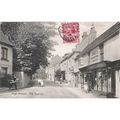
61 79
9 83
13 82
86 88
40 82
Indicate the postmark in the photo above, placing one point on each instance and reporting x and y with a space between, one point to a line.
70 32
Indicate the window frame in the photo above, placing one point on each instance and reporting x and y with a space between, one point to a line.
4 53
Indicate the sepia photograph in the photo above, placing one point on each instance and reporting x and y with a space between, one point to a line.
59 60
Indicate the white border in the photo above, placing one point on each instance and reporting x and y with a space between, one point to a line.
62 10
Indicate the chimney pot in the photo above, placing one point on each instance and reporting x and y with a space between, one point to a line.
84 35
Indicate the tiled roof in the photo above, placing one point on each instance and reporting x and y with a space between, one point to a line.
73 53
64 58
83 44
68 56
102 38
55 60
78 56
4 39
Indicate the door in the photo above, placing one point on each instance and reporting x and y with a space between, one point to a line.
117 75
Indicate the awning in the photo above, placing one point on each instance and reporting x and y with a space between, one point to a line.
95 66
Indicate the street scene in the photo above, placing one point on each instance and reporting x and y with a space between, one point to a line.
59 60
51 90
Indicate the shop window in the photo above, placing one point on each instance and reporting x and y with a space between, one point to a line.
94 52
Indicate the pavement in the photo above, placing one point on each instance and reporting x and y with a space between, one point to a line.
51 90
3 89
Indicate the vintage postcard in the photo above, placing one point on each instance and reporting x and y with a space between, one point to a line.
59 59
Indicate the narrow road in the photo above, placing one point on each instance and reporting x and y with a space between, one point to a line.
40 92
51 90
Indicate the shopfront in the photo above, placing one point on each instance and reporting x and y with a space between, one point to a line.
116 78
117 75
97 77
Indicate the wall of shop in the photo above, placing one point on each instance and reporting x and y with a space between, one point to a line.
117 77
111 49
94 55
103 82
85 60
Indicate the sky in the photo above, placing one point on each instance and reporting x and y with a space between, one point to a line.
63 48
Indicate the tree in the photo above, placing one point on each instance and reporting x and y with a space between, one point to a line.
32 44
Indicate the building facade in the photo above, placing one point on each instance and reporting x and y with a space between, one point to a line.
64 68
67 67
50 73
87 38
69 64
52 67
71 68
100 68
6 55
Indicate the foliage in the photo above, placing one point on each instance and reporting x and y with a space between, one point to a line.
32 44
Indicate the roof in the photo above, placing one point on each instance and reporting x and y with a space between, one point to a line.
73 53
4 39
78 56
83 44
55 60
68 56
64 58
102 38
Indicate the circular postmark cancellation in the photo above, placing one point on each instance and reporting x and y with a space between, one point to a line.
69 32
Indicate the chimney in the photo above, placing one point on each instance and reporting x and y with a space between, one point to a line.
92 34
92 30
84 36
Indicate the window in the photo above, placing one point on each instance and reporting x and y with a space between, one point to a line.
4 70
4 53
88 58
94 52
94 57
81 61
101 52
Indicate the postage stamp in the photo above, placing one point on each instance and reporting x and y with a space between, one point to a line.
70 32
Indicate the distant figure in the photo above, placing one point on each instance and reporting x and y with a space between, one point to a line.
61 79
40 82
86 88
13 83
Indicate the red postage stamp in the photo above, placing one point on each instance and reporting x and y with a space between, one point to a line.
70 32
